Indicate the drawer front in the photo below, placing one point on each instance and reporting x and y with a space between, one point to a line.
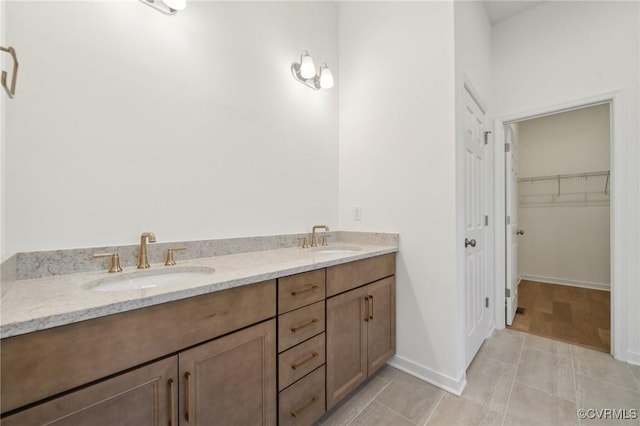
299 325
347 276
303 402
300 290
300 360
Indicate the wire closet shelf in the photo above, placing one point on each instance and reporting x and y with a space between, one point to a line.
575 189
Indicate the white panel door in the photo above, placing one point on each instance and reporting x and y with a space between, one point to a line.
477 319
511 231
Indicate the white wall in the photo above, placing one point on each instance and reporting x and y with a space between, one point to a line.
561 52
3 100
565 243
473 47
397 161
190 126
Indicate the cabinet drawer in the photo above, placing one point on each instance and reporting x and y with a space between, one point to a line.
303 403
300 290
299 325
300 360
347 276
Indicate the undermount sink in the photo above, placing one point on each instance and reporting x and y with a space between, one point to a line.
335 249
148 278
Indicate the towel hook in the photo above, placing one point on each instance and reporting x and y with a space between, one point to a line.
14 75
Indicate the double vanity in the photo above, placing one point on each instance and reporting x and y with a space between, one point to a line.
266 337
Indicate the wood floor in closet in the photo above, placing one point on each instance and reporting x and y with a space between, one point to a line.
570 314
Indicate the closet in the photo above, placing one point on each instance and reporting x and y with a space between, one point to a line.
563 197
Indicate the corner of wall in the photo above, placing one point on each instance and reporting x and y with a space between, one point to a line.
449 384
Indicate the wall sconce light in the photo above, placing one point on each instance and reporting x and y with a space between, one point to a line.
168 7
305 73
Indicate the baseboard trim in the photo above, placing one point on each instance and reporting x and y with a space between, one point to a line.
633 358
426 374
561 281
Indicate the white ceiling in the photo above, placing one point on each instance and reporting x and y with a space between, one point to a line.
501 10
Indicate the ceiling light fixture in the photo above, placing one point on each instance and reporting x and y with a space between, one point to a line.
168 7
305 73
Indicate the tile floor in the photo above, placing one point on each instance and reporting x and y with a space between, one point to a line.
516 379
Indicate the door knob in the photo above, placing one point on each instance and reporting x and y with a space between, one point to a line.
519 232
468 243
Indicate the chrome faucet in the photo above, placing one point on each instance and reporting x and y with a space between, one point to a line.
143 262
313 233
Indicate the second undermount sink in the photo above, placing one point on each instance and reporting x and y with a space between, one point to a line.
335 249
148 278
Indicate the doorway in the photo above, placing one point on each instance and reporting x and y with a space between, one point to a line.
558 223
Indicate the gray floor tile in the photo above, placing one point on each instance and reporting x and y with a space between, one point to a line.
453 411
489 383
377 415
503 346
349 408
603 367
549 346
548 373
411 397
635 371
387 373
542 378
529 406
596 394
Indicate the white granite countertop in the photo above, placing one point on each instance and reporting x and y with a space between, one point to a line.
38 304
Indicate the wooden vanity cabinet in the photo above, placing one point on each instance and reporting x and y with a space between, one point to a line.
360 324
301 347
200 381
212 359
146 396
381 327
231 380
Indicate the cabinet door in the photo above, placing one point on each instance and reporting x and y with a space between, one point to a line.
230 380
346 344
381 327
144 396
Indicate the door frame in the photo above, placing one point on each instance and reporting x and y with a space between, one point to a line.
510 237
618 186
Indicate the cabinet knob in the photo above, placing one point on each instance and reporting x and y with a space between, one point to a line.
172 408
187 395
366 308
296 413
306 290
306 324
301 363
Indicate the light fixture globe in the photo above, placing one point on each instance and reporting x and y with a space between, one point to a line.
326 77
307 67
168 7
175 4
